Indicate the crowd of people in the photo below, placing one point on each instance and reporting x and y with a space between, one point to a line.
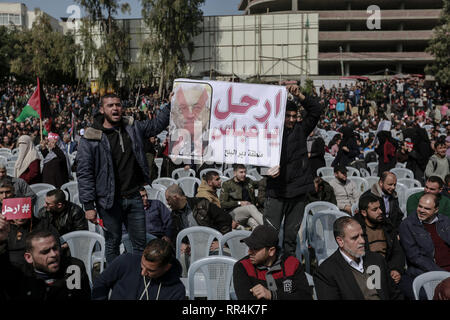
109 143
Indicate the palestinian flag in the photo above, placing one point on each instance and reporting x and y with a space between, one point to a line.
37 106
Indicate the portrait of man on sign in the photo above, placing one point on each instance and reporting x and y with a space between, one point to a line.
189 120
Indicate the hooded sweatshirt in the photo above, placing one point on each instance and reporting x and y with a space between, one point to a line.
127 173
205 191
124 277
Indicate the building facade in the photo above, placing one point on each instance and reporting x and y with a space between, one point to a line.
358 38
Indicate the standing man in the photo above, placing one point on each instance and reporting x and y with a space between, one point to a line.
288 183
112 167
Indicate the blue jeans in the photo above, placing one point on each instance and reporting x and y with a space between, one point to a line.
130 212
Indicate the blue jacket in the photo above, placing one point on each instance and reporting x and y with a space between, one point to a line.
95 172
418 245
124 277
158 219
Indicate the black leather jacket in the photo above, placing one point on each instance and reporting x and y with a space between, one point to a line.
71 219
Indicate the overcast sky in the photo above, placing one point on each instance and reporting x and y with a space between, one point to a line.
58 8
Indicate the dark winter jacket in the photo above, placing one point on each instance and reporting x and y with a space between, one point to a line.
325 193
71 219
55 171
124 278
418 245
232 192
95 169
296 177
344 158
286 276
395 257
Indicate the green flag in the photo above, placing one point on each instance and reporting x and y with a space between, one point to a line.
27 112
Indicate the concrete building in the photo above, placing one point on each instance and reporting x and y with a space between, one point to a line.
268 47
353 42
17 14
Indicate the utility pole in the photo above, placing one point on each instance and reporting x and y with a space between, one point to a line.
342 62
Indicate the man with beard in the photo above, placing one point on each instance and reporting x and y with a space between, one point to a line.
379 235
48 274
112 166
265 273
21 188
352 273
384 190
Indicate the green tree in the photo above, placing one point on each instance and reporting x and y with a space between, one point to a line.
105 44
45 53
439 47
173 25
8 39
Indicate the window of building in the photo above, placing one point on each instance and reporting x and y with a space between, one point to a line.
9 18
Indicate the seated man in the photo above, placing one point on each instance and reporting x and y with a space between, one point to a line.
238 199
21 188
20 228
265 273
379 235
65 216
208 188
425 238
352 273
49 275
158 218
190 212
384 190
154 275
433 185
323 192
345 190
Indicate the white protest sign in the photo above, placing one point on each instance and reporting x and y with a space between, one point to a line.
226 122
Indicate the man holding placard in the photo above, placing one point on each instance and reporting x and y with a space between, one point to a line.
288 183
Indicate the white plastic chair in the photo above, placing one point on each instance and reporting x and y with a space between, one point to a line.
189 184
325 171
361 184
5 154
233 239
364 173
76 199
156 192
410 183
329 160
373 167
40 201
81 244
428 281
41 186
254 172
305 228
10 172
311 284
322 237
402 173
200 239
353 172
400 165
7 150
181 173
205 171
218 276
229 172
372 180
71 187
166 182
15 151
401 193
10 164
3 159
158 162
